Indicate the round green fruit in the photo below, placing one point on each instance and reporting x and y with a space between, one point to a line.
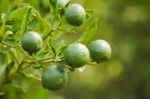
75 14
100 50
54 77
62 3
31 42
77 55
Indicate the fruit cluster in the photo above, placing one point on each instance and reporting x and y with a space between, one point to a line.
75 55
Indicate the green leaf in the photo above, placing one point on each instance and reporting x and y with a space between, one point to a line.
87 36
14 25
53 2
9 66
60 47
65 27
43 26
55 12
53 49
2 73
2 58
7 34
2 25
89 13
47 27
19 88
33 23
19 13
32 76
56 34
25 21
17 19
14 54
13 66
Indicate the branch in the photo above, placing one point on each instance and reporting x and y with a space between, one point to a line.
10 45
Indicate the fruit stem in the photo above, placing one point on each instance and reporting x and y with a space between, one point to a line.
7 44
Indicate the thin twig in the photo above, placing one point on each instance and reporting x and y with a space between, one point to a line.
10 45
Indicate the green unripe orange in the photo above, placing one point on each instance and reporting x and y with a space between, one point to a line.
54 77
100 50
31 42
77 55
75 14
62 3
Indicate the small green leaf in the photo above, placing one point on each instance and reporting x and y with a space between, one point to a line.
3 58
14 24
65 27
14 54
14 64
19 13
25 21
2 25
43 26
32 76
47 27
33 23
19 88
18 19
53 49
60 47
87 36
55 12
7 33
89 13
53 2
2 73
9 66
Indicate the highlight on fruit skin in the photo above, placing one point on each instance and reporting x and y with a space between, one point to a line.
54 77
77 55
75 14
100 50
31 42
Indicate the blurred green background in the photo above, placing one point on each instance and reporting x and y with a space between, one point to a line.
125 24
